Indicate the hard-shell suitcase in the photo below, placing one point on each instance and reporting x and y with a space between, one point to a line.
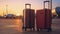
43 19
29 17
48 19
40 19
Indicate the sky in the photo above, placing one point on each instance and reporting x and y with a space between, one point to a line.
16 6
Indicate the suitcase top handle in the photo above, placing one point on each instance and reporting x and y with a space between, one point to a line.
48 4
27 6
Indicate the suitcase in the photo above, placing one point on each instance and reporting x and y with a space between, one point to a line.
43 19
48 19
29 18
40 16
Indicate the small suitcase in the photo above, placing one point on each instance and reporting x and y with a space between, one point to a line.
29 18
43 19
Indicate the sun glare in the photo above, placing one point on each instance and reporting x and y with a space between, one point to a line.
18 14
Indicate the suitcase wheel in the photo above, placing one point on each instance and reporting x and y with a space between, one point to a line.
41 29
49 30
25 28
37 29
22 27
33 29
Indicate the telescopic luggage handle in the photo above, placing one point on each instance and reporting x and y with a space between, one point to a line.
27 6
45 12
48 4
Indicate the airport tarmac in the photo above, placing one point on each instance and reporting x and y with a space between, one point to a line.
14 26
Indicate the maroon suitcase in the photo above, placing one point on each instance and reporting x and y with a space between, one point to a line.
43 19
29 18
40 19
48 18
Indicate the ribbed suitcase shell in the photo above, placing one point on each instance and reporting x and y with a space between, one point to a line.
40 18
43 19
48 18
29 18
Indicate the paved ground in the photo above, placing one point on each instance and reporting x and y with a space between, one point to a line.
14 26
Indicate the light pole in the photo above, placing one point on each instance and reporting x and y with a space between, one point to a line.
51 4
3 13
6 9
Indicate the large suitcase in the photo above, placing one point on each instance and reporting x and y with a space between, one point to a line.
29 18
43 19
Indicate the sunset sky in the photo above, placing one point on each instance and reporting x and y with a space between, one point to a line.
16 6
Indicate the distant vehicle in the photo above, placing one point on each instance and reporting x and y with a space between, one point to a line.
1 16
58 10
10 16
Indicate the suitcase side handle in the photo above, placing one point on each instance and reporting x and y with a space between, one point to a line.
27 6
